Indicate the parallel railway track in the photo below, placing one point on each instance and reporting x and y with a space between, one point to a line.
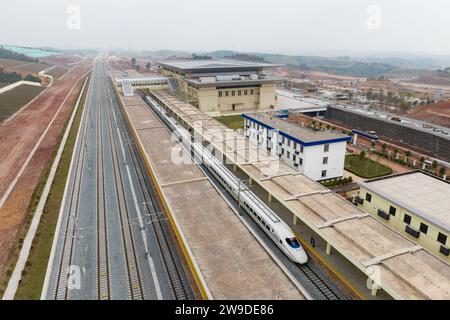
103 283
180 289
321 286
134 277
61 289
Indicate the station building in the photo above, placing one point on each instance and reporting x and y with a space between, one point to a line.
415 204
319 155
222 86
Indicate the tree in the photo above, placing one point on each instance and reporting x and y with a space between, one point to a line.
434 165
395 153
383 148
407 155
133 61
362 155
147 66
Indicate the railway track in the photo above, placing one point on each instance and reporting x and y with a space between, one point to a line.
61 288
134 277
180 288
321 286
103 283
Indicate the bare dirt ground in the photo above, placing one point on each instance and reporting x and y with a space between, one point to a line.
386 85
313 75
17 138
60 59
432 78
437 113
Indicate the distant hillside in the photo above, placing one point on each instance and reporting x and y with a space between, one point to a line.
338 65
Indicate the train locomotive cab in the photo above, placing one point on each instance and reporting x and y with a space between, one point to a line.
295 250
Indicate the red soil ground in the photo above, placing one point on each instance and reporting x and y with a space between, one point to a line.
17 138
437 113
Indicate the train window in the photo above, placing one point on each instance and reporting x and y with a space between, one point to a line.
267 227
293 242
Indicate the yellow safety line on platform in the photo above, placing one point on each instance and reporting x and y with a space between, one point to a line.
355 291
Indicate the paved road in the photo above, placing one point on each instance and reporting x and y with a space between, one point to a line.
107 245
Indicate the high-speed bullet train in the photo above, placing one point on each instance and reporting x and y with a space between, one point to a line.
270 223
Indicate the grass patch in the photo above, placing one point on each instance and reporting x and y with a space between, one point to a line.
30 286
233 122
14 99
364 167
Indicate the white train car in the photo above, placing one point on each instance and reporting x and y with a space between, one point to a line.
277 230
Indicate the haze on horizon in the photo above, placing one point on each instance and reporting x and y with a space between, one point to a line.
281 26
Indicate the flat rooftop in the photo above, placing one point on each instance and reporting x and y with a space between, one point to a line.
407 271
232 262
213 64
417 192
292 130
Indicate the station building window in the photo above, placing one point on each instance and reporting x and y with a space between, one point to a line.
407 218
245 92
301 149
251 92
392 210
220 93
232 93
324 173
325 160
226 93
300 160
368 197
442 238
326 148
423 228
239 92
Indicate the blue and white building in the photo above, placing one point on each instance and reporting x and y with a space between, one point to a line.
320 155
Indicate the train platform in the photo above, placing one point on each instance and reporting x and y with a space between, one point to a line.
225 259
398 267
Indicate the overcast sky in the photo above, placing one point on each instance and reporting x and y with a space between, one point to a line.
284 26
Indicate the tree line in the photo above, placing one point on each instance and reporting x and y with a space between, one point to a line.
11 77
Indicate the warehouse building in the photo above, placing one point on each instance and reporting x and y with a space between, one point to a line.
414 203
433 142
317 154
222 86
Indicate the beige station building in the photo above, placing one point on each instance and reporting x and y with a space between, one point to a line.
415 204
222 86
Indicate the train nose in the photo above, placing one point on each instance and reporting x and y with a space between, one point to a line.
302 257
